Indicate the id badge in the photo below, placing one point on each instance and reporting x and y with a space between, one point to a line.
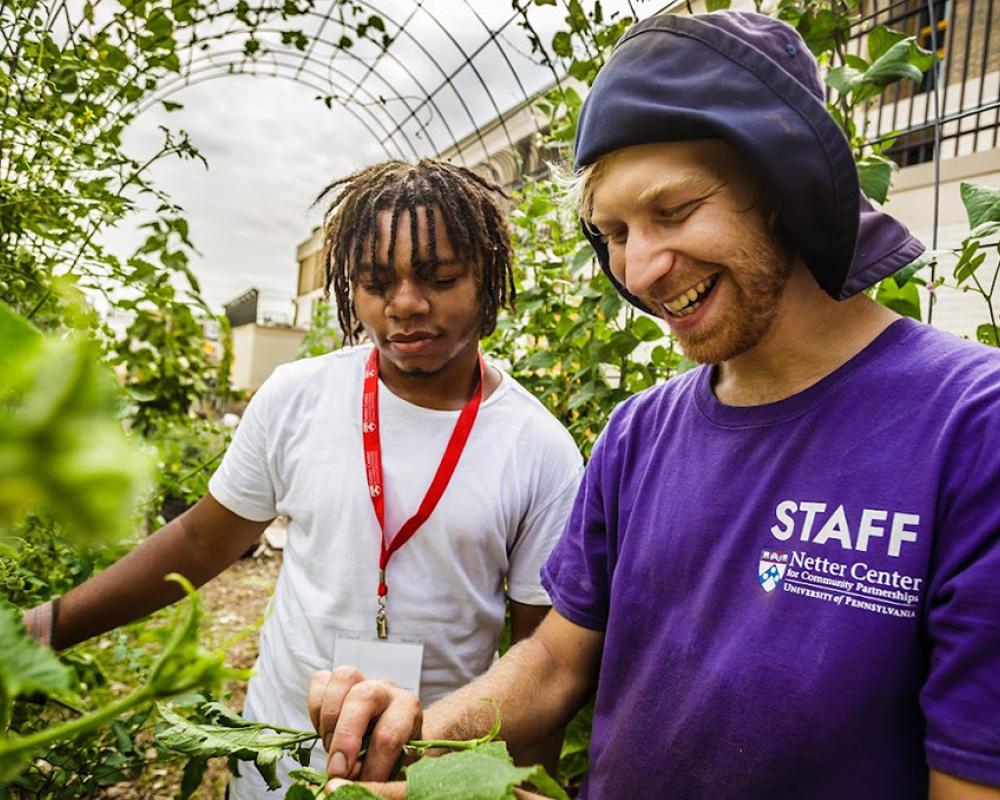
397 658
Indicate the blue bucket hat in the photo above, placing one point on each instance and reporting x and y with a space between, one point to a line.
749 79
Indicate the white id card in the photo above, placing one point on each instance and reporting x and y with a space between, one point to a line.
398 658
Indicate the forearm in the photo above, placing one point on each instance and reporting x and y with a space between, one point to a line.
134 586
537 693
949 787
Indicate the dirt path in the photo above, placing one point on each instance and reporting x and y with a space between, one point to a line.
234 603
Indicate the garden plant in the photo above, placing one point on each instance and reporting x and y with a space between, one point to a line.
100 427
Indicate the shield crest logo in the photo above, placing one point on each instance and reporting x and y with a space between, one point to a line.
771 568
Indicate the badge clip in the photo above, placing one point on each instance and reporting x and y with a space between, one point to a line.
381 622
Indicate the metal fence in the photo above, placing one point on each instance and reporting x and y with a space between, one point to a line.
966 97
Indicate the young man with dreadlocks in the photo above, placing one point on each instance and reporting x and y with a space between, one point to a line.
421 483
781 575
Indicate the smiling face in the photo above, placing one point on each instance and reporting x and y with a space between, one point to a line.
422 318
687 235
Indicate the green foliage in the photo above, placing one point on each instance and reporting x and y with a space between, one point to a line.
25 667
479 769
37 563
860 80
486 772
573 342
573 761
975 266
182 666
875 175
93 760
227 734
189 451
903 299
982 204
323 335
61 448
164 354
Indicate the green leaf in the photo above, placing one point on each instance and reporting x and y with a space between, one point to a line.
562 44
300 792
903 300
904 59
844 79
623 342
875 176
717 5
249 741
988 334
910 270
309 775
982 203
486 773
25 666
21 341
194 771
351 791
967 267
880 39
582 258
646 329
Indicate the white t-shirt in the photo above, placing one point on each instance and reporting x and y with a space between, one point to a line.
298 452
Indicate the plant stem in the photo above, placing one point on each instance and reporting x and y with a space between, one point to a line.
68 730
989 305
445 744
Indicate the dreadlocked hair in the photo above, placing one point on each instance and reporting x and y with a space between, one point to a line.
474 218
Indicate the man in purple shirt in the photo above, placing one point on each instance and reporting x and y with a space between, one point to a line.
782 572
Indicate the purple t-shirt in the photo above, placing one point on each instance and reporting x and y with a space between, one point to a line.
800 599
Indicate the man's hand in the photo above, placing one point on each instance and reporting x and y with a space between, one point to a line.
343 707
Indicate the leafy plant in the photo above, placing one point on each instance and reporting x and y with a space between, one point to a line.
188 453
974 264
223 733
573 342
477 768
323 335
61 447
37 563
26 668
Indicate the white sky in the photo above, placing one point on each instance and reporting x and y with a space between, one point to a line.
271 146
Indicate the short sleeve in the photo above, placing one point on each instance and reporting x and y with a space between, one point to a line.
577 572
961 697
243 483
539 532
550 464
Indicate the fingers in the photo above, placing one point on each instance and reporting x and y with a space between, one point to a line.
400 722
343 706
390 791
327 691
396 714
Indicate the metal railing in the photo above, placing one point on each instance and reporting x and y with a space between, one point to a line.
967 40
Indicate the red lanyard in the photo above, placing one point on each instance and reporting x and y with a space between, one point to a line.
373 470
